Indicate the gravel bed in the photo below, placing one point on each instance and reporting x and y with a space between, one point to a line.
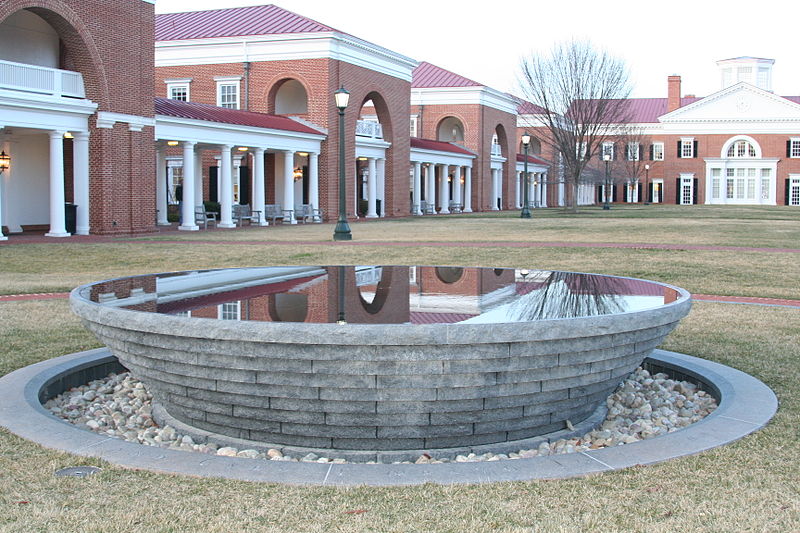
643 406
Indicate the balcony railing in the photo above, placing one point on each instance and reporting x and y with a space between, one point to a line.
41 80
367 128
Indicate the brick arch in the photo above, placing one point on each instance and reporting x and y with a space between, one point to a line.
446 117
82 52
382 110
274 86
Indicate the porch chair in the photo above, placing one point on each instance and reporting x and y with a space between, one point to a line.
201 216
243 212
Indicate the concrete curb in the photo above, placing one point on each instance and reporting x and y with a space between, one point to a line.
746 405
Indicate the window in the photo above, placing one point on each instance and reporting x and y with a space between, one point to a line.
229 311
657 152
687 191
228 92
413 131
741 149
607 149
178 89
715 176
794 191
687 148
633 151
793 148
580 150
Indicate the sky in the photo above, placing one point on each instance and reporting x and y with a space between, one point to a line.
485 41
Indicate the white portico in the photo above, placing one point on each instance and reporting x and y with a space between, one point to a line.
233 136
441 176
536 181
371 162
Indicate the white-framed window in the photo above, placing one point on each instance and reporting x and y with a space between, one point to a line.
632 151
793 149
228 92
715 181
580 150
794 190
741 149
413 124
607 149
687 189
687 148
174 179
178 89
658 151
230 311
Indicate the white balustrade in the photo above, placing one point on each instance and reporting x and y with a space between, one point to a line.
41 80
368 128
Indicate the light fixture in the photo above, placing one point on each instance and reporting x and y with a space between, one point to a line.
526 138
302 154
5 161
342 97
172 143
298 174
362 158
243 148
68 135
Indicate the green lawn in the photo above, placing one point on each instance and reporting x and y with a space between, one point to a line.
750 485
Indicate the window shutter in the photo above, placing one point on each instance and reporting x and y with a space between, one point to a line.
244 187
694 191
661 194
213 195
789 148
614 193
694 150
641 152
679 150
677 191
788 189
613 152
639 193
599 194
651 152
649 192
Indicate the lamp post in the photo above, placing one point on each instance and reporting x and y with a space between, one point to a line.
646 185
526 212
342 230
607 159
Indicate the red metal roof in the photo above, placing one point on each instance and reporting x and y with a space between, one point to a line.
428 75
426 317
531 159
211 113
233 22
439 146
527 108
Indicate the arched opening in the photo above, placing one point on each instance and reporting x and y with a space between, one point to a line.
741 176
373 296
534 148
27 38
373 179
291 98
450 129
500 167
449 274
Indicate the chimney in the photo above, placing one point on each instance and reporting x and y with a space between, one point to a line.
673 93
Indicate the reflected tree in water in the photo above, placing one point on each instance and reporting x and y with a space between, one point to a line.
569 295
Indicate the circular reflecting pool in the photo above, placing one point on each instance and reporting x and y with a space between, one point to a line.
375 358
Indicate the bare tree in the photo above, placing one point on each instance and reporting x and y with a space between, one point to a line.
582 92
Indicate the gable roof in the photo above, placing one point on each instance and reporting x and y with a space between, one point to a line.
212 113
429 75
234 22
532 159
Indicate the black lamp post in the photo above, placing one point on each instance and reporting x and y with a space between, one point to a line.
646 185
607 159
526 212
342 231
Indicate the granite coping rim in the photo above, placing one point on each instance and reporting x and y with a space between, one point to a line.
369 334
747 405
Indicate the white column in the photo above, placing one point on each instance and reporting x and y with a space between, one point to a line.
161 186
288 182
2 182
198 178
57 224
561 192
468 189
187 202
444 191
371 187
543 188
313 181
457 184
493 205
415 196
258 185
381 186
519 191
430 190
80 171
225 188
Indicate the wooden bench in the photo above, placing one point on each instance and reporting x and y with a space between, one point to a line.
455 207
201 216
243 212
274 213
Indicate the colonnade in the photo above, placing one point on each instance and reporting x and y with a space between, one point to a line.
193 184
454 188
537 189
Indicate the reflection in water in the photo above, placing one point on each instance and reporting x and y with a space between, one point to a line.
380 294
570 295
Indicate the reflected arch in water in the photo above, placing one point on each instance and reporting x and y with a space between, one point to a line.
288 307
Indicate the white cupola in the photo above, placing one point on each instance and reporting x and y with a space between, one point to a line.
754 70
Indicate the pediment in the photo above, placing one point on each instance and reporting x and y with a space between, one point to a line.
739 103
